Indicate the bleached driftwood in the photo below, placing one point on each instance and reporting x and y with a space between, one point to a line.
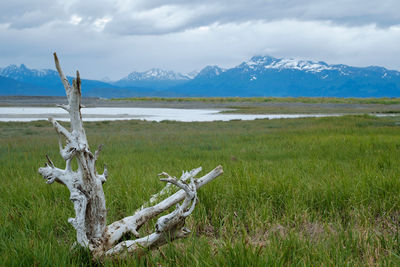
86 191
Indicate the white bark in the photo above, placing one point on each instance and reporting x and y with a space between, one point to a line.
132 224
168 227
86 191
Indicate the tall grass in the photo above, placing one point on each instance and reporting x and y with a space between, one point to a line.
315 191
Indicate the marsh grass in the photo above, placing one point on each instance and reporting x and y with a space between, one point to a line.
315 191
280 105
311 100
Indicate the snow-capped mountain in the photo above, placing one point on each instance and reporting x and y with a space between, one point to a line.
267 62
269 76
263 63
155 75
24 81
210 72
258 76
192 74
30 81
155 79
21 73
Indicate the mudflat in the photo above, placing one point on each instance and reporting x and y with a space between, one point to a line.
245 106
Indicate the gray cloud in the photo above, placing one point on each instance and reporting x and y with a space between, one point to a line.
29 14
97 54
113 38
160 17
129 17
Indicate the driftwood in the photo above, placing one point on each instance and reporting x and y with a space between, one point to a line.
87 196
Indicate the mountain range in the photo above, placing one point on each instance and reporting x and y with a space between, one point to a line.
259 76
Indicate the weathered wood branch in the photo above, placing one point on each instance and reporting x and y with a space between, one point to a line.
86 190
132 224
84 185
168 227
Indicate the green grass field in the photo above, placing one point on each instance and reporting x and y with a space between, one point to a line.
315 191
311 100
279 105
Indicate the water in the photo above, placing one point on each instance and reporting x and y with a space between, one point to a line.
148 114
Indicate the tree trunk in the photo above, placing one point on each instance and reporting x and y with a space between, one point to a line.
86 191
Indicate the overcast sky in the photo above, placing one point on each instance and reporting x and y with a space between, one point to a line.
112 38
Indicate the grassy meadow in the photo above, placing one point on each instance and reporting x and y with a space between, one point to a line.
310 100
314 191
278 105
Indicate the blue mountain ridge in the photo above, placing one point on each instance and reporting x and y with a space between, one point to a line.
47 82
259 76
269 76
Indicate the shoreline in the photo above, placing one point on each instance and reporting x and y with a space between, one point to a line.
227 107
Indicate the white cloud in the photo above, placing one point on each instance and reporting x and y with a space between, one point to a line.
100 23
75 19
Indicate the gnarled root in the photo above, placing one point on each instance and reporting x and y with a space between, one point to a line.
86 191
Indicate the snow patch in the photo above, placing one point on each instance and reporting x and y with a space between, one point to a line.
155 74
308 66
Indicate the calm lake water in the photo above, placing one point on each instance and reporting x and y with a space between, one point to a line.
148 114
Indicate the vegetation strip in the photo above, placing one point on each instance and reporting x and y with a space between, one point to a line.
310 100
